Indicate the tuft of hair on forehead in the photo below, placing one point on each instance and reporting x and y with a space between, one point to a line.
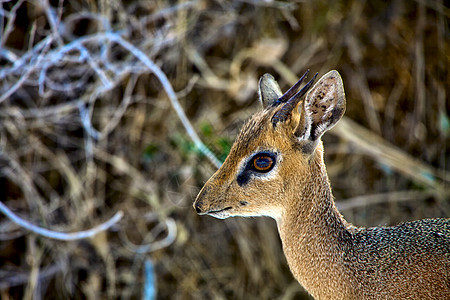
253 129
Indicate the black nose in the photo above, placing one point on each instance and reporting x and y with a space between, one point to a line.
197 206
198 203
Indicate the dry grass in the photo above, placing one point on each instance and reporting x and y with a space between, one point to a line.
87 129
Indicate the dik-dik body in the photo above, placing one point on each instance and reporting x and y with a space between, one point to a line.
275 168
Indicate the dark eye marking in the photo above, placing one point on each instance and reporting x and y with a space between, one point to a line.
260 163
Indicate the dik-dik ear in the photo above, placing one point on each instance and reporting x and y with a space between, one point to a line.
269 90
322 108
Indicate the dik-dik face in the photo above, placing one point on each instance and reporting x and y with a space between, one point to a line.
273 150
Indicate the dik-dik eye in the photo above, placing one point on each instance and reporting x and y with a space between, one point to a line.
258 166
263 162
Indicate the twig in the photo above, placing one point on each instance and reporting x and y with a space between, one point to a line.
53 20
33 62
165 12
150 281
86 121
60 235
11 16
170 93
380 150
15 279
25 58
373 199
155 245
355 54
50 58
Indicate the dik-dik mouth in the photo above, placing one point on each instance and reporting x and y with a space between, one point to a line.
220 213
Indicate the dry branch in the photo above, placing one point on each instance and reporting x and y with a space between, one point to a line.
62 236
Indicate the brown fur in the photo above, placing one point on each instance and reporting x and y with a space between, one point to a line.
331 258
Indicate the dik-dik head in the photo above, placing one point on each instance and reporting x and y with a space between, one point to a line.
273 154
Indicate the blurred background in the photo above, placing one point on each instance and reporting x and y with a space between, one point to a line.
88 129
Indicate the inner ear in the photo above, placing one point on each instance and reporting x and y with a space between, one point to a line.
269 90
323 107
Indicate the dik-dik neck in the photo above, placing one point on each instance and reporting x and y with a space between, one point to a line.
315 236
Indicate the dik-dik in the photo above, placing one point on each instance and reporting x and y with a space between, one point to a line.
275 168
